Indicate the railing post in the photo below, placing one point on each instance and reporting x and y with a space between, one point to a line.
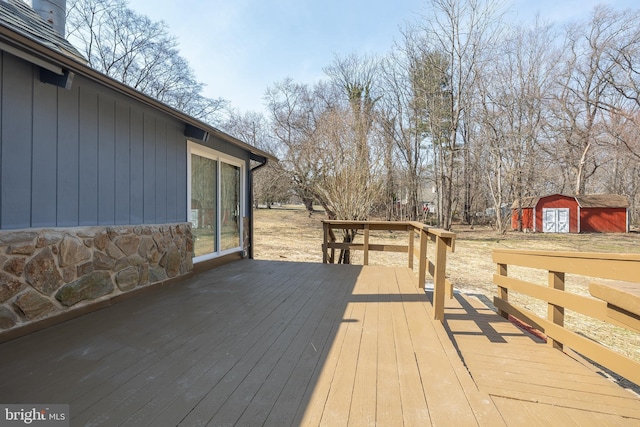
449 286
503 293
439 278
325 246
328 237
412 236
555 313
422 271
332 239
366 244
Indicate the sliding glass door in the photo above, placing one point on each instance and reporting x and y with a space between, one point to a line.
230 206
215 200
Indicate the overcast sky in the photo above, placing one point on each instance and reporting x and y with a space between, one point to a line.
240 47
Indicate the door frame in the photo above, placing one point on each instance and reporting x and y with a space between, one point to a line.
204 151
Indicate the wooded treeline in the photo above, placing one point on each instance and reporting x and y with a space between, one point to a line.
467 112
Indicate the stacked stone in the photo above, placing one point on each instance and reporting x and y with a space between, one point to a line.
47 272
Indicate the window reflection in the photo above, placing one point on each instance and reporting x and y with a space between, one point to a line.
230 206
203 204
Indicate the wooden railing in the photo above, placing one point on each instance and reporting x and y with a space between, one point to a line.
616 303
437 267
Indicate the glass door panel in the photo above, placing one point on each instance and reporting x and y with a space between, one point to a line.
204 173
230 206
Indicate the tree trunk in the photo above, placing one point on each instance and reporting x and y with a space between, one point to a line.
520 217
308 204
580 178
345 254
388 163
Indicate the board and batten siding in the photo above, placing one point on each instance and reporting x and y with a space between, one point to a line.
86 156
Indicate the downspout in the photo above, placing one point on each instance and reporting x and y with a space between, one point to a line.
263 162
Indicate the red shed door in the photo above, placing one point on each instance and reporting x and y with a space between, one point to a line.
555 220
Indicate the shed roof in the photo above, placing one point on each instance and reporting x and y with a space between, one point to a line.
23 30
525 202
584 201
602 201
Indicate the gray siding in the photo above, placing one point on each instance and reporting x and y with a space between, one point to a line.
67 160
86 156
44 151
17 103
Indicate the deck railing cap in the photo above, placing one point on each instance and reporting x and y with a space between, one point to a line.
415 224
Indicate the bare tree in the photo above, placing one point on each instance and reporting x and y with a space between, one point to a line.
623 59
402 116
293 110
356 76
138 52
460 31
270 184
387 126
512 116
585 88
342 184
328 150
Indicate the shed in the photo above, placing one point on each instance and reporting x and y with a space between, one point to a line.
104 191
557 213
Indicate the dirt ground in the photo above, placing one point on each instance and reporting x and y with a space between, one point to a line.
288 233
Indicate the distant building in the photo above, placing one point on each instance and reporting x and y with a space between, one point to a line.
557 213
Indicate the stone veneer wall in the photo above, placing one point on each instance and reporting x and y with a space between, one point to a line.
47 272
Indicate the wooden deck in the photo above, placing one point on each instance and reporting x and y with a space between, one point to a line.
278 343
528 379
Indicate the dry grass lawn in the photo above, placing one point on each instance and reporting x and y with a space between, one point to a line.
288 234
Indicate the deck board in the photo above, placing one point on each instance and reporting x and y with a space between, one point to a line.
288 405
395 390
230 363
133 392
364 399
437 371
280 343
514 366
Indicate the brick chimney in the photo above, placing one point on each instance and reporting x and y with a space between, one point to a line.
52 11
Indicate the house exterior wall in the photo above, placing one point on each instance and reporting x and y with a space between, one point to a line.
603 220
558 201
85 156
50 272
93 195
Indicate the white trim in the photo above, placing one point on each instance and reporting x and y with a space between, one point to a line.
628 225
579 230
210 153
32 59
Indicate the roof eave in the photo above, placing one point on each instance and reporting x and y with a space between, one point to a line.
46 54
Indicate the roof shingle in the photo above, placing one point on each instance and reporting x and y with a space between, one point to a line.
21 18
